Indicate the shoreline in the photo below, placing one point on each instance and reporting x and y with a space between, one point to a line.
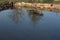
37 5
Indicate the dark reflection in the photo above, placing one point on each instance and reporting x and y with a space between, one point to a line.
15 16
36 12
21 14
35 16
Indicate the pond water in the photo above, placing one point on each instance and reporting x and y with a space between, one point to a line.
16 24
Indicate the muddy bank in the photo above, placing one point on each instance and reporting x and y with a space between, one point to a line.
37 5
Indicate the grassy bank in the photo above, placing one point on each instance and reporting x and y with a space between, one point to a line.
1 1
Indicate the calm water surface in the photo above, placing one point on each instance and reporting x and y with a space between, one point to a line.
22 25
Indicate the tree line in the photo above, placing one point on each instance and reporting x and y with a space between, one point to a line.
43 1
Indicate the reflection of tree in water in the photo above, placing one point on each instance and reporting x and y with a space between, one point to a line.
15 16
35 16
